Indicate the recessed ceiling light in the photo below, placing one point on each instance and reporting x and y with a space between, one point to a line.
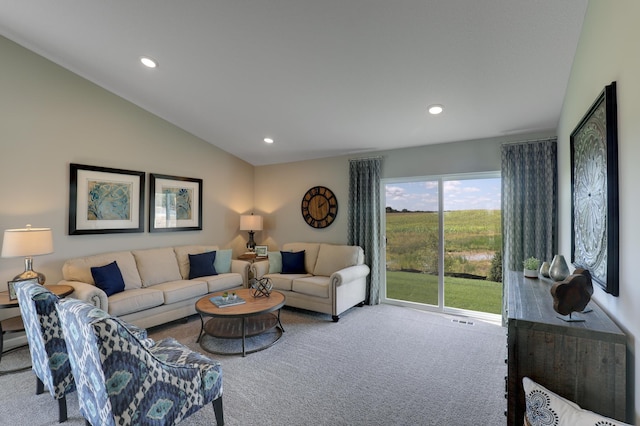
435 109
148 62
268 140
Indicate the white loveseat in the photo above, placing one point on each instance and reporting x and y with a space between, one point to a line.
333 279
157 285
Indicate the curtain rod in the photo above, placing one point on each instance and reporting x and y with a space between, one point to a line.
555 139
366 158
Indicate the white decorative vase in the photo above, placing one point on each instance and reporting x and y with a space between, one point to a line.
531 273
559 269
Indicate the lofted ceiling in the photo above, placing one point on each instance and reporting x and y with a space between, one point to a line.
321 77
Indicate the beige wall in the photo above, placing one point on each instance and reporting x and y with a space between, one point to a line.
608 51
50 117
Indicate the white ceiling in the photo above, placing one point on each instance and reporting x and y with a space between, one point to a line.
322 77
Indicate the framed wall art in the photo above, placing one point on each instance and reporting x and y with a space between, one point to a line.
594 192
104 200
175 203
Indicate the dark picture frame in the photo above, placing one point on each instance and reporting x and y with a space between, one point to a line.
104 200
175 203
594 192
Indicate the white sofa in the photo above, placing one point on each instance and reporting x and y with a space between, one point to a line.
157 285
333 280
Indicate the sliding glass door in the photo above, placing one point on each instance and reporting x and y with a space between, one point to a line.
443 242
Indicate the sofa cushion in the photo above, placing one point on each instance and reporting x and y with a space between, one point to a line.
108 278
332 258
547 408
310 253
223 261
177 291
317 286
293 262
138 299
157 266
275 262
79 269
182 256
283 282
201 265
223 281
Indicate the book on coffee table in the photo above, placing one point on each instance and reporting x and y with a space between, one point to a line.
229 302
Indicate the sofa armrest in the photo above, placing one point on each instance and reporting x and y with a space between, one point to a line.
346 275
260 269
88 293
241 267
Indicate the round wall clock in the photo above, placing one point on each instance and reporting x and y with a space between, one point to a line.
319 207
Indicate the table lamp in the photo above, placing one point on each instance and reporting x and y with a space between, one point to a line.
27 242
251 223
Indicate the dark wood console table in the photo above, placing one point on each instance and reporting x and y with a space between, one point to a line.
584 362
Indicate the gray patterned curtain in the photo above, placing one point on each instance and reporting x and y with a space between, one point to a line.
364 218
529 202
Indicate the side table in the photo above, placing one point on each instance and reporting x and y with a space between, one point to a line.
251 257
15 324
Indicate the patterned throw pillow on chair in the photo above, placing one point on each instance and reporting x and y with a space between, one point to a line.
545 408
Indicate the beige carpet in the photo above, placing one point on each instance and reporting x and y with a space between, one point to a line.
380 365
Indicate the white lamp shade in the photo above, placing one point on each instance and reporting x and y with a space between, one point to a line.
27 242
250 222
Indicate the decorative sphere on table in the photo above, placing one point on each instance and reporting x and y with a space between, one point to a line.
261 287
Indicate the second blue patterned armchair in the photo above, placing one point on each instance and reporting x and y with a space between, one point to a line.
122 379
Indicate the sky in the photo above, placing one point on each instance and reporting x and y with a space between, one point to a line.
458 195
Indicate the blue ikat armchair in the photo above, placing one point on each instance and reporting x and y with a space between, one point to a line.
49 358
125 380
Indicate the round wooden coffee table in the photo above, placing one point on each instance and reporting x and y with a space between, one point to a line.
256 316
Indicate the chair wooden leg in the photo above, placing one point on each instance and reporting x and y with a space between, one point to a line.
217 409
62 409
39 386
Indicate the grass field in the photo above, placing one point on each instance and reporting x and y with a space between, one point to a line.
462 293
471 239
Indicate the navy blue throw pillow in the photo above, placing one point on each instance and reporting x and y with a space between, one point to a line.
293 262
108 278
201 265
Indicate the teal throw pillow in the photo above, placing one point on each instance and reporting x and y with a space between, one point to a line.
201 265
108 278
275 262
223 261
293 262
